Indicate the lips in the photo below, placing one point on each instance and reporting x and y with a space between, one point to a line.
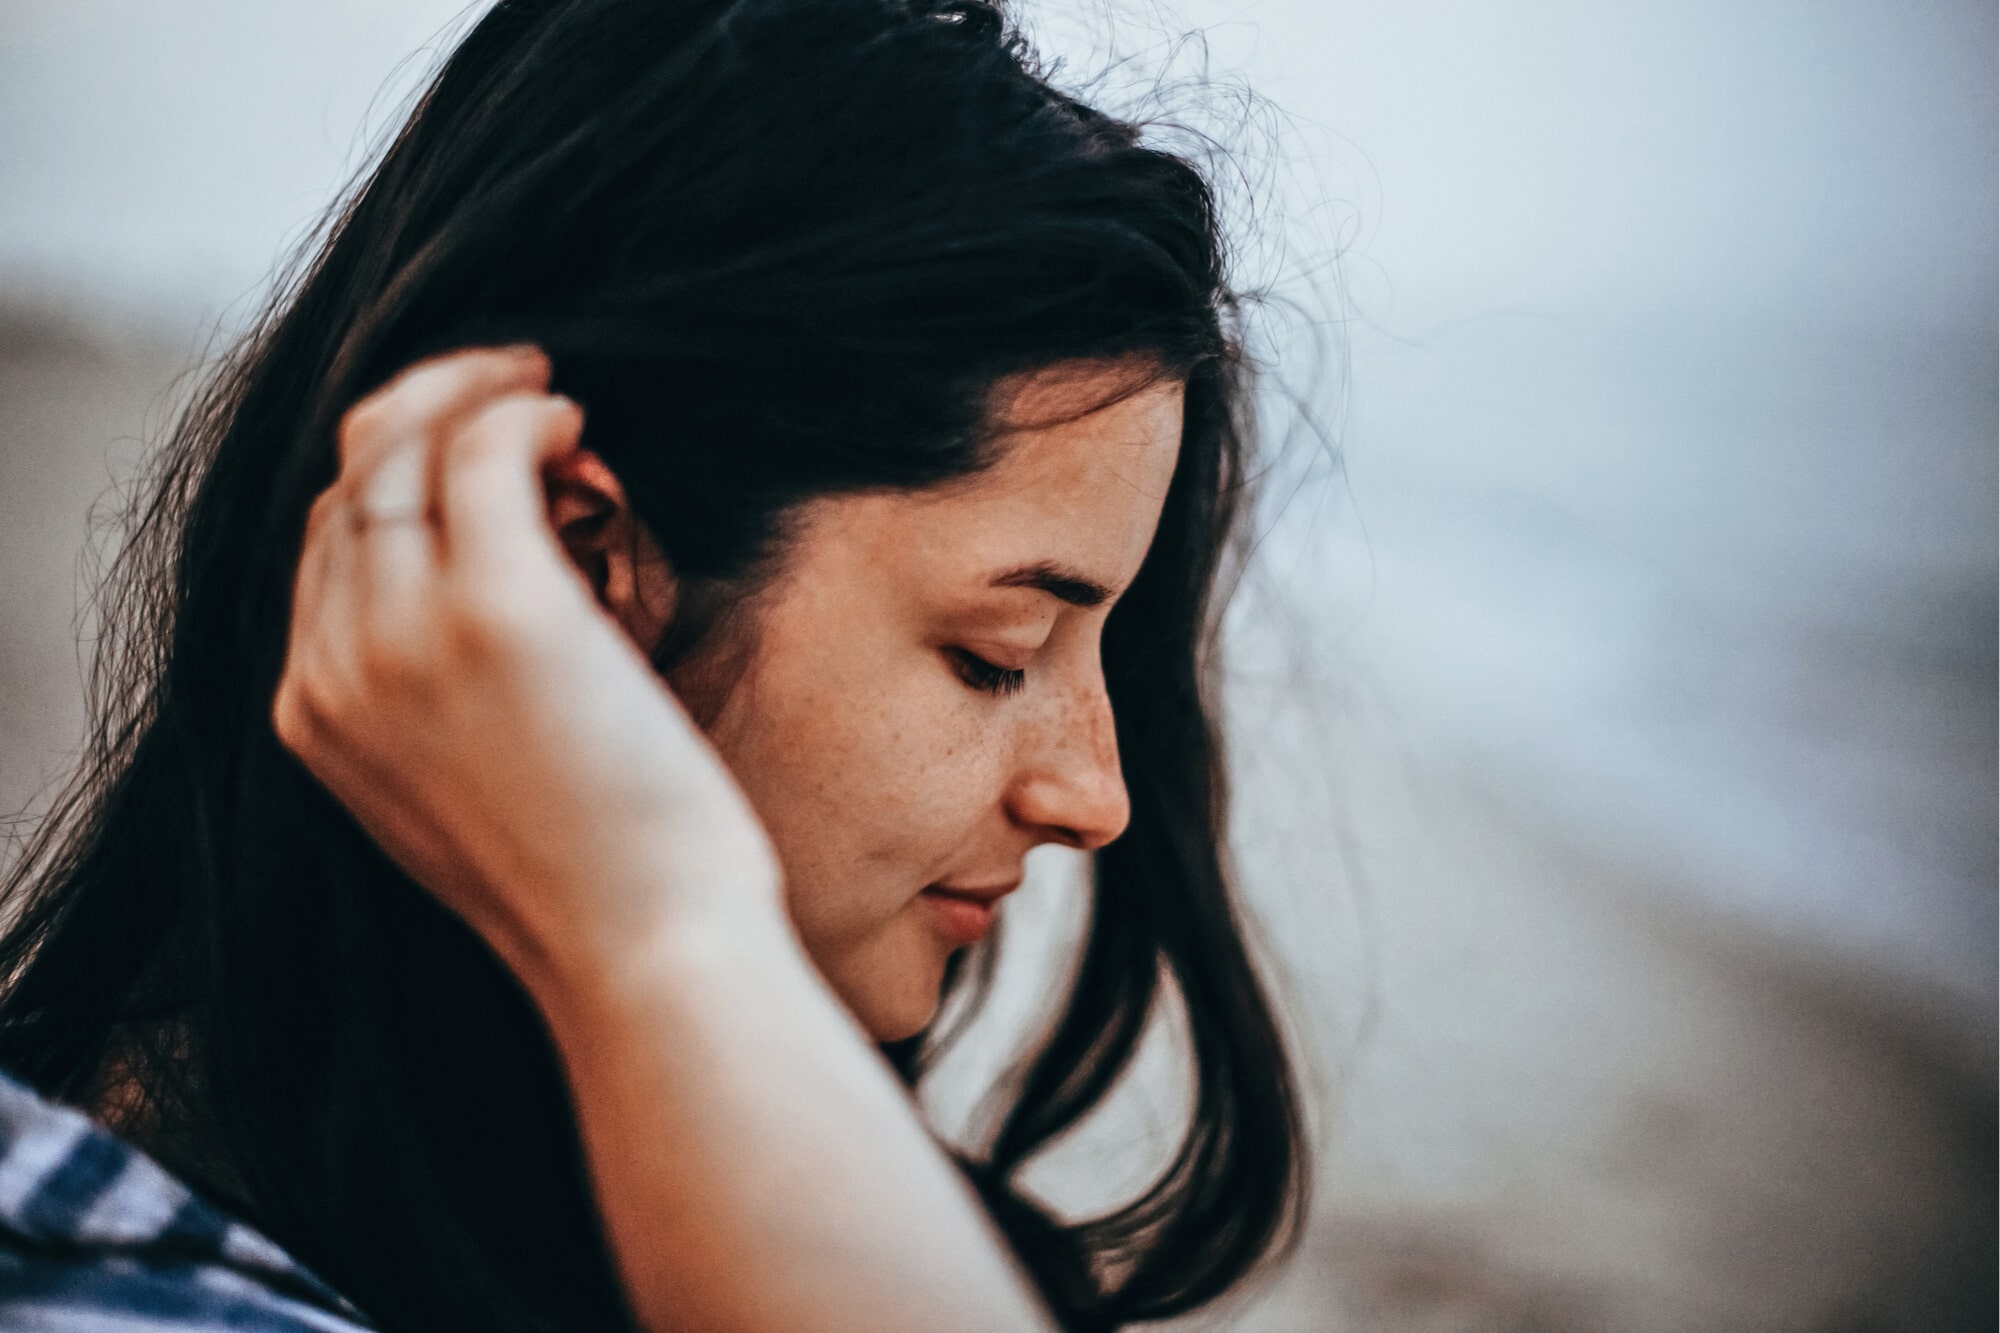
964 914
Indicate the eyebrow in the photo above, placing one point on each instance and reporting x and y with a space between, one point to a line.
1063 584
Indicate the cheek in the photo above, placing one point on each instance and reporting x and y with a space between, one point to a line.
870 772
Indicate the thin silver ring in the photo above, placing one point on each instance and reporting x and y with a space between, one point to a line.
362 517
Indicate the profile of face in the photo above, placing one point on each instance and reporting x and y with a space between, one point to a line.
920 699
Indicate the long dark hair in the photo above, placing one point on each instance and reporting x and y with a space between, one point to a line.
776 248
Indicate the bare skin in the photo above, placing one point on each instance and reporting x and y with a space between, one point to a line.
862 736
715 926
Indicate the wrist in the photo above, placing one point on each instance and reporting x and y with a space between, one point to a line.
606 885
587 975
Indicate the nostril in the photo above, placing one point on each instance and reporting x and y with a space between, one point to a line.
1102 830
1074 793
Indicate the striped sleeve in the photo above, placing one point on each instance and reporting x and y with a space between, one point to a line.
95 1235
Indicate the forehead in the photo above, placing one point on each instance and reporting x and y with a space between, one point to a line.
1069 432
1083 463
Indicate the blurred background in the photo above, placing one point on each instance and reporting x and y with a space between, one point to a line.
1613 687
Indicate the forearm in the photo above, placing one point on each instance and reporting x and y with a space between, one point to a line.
455 684
756 1164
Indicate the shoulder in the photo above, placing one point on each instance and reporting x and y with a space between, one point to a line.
95 1235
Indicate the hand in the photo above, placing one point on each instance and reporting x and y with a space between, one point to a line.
452 680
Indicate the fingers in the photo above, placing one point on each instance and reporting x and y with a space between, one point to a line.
430 399
387 439
389 446
438 520
487 481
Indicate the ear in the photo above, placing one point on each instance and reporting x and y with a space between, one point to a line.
608 545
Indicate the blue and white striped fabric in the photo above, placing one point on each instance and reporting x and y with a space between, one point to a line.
95 1237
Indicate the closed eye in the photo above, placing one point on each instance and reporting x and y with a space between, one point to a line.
983 675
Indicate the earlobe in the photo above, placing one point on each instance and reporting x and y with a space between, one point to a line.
609 546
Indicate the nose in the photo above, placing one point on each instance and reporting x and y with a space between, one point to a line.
1069 787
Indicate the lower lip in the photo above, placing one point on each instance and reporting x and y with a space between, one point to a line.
964 920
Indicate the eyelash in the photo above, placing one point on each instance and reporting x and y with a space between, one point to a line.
981 674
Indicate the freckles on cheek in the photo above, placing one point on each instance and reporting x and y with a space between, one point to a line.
933 779
825 759
874 768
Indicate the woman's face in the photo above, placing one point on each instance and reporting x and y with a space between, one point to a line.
924 700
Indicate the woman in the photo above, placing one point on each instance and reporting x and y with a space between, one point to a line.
735 478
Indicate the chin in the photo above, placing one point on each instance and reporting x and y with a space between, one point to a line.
896 1007
897 1032
897 1019
892 982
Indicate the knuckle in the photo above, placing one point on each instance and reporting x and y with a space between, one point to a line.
383 669
396 669
498 425
494 622
482 631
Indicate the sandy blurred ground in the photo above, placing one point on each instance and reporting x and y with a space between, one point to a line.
79 396
1561 1095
